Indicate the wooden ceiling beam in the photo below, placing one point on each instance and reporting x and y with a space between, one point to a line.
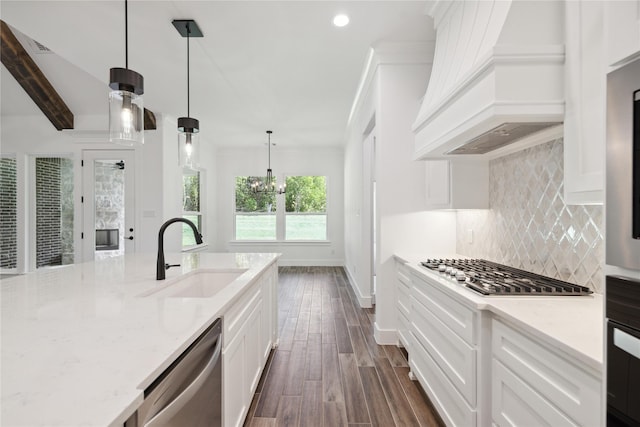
33 81
149 120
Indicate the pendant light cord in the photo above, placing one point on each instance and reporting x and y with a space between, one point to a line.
269 144
126 35
188 90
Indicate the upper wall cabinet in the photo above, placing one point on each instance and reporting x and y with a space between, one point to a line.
585 97
457 184
622 23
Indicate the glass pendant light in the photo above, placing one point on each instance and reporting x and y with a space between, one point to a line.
188 127
126 124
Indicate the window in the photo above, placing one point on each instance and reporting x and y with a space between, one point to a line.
255 212
191 205
303 216
306 208
53 211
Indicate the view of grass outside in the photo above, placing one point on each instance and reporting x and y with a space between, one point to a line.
306 227
188 239
256 227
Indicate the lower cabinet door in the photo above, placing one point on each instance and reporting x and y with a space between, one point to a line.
450 404
515 403
233 382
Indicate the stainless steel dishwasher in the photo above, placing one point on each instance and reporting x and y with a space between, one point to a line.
189 392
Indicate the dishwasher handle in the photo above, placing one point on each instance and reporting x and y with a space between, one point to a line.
178 403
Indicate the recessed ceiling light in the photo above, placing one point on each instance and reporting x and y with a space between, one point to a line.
340 20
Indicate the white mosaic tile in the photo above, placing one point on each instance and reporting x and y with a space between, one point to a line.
529 226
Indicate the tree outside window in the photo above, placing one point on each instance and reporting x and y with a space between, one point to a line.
306 208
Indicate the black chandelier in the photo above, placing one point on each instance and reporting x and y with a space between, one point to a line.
269 184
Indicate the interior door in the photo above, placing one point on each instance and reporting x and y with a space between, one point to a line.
108 203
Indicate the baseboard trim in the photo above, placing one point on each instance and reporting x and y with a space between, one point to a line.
385 336
365 301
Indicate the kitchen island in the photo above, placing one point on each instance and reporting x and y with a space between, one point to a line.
80 343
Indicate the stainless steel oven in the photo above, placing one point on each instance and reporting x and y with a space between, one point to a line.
623 167
623 352
189 392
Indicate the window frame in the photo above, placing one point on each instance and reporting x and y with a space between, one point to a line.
201 203
280 216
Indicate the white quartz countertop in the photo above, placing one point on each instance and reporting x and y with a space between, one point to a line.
79 344
574 324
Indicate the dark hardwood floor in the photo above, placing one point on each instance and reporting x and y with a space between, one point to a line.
328 369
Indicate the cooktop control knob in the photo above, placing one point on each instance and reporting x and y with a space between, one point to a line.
442 267
453 272
460 276
448 270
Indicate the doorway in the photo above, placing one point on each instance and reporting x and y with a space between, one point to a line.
108 203
369 208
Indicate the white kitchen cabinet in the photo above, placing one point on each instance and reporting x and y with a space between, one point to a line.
535 383
248 331
444 355
457 184
585 100
622 30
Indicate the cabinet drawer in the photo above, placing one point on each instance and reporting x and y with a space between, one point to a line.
451 406
456 358
240 310
555 378
515 403
459 318
404 333
404 303
404 275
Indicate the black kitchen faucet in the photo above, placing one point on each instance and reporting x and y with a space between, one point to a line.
161 266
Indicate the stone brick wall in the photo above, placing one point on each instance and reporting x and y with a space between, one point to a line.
48 212
8 214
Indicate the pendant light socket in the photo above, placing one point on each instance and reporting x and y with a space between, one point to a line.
188 124
126 80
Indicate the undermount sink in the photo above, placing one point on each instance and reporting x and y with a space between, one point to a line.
198 284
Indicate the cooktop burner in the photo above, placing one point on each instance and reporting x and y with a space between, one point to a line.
489 278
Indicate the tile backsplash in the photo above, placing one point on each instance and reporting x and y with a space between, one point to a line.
529 226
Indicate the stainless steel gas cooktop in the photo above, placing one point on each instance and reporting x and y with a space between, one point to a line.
489 278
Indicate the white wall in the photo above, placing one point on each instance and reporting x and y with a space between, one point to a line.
392 97
308 161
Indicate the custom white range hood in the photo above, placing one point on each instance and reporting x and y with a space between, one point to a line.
497 83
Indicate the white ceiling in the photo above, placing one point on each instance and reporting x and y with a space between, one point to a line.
261 65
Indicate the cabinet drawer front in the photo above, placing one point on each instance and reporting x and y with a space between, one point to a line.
404 276
238 313
404 334
404 302
557 379
515 403
451 406
459 318
454 356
